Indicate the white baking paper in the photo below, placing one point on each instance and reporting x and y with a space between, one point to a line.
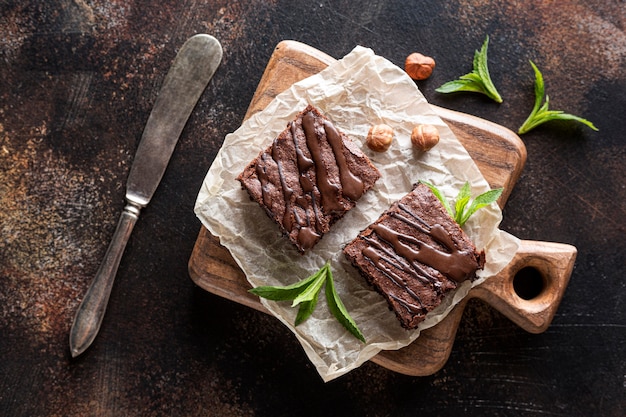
356 92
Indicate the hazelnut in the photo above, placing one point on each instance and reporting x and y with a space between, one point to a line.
379 138
418 66
424 137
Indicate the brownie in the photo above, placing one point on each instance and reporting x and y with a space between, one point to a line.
309 177
414 255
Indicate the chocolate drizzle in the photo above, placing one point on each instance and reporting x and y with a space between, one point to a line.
328 190
452 262
303 162
379 261
352 185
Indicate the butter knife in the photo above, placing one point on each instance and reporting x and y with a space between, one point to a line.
193 67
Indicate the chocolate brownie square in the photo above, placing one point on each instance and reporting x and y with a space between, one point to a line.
414 255
309 177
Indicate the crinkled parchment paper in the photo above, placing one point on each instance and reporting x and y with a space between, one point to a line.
356 92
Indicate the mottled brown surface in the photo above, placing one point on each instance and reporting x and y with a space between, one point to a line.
78 79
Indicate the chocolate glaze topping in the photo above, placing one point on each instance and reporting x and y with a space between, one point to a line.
352 185
452 262
329 191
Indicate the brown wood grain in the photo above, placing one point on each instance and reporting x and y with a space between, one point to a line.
499 154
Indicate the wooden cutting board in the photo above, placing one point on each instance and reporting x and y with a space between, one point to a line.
528 291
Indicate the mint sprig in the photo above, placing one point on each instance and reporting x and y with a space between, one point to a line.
478 81
541 114
305 294
336 307
463 209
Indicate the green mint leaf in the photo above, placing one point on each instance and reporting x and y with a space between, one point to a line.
540 114
479 202
540 90
459 208
287 293
567 116
481 67
310 292
305 293
461 201
478 81
439 196
338 310
306 309
462 212
460 85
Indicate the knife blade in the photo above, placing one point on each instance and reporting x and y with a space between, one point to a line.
193 67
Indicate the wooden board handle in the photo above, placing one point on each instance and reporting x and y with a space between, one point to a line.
530 288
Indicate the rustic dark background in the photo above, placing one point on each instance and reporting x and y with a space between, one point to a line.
78 79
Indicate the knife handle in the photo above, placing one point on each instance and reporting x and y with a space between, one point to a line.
91 310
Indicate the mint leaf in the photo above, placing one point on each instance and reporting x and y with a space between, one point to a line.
310 292
337 308
287 293
461 201
305 293
462 212
540 113
540 89
479 202
306 309
459 208
478 81
462 84
481 67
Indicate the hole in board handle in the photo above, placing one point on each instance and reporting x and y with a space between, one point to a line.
528 283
